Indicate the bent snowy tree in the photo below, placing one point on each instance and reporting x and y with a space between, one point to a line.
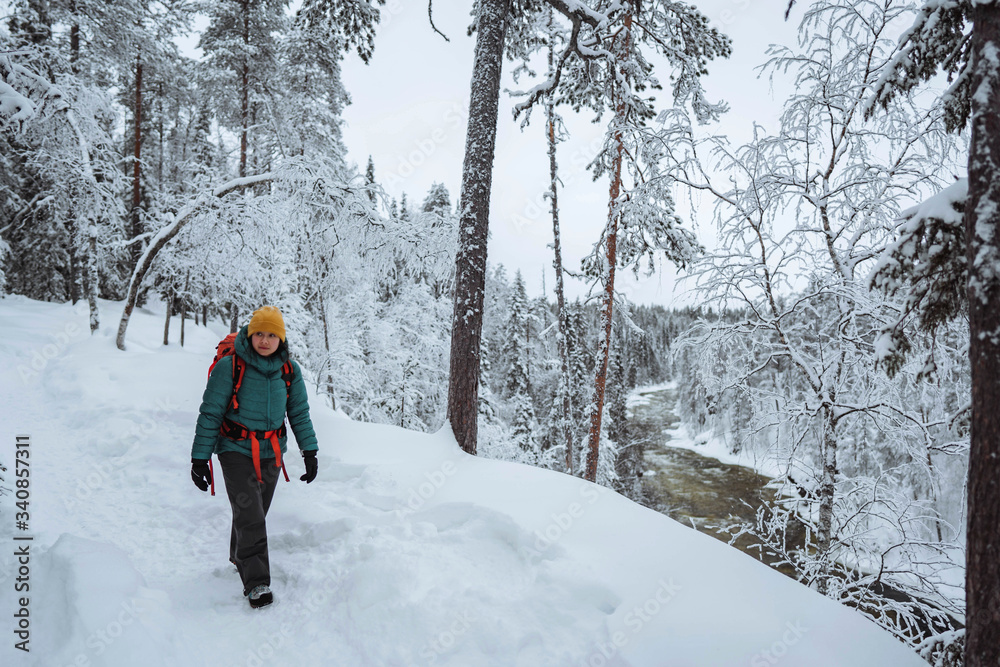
168 232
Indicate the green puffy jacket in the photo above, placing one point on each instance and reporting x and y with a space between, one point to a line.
262 401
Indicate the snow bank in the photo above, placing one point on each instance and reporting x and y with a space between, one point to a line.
108 619
404 551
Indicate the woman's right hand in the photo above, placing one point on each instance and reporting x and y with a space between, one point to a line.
201 474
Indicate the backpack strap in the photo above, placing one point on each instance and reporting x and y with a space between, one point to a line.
239 368
237 431
287 373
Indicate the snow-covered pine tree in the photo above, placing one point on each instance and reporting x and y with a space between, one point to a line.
437 202
491 431
517 369
311 94
437 225
370 177
629 459
578 351
495 315
200 160
241 57
927 264
405 214
960 38
524 427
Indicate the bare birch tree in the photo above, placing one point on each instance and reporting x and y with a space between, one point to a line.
803 215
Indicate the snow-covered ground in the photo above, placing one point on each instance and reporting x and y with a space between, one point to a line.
404 551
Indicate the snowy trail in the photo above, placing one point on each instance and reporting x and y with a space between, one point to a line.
121 478
404 551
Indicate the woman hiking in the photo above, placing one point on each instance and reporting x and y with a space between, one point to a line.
251 387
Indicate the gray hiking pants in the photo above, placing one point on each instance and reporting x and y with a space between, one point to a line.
250 501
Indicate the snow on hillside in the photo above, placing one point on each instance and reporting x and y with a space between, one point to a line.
405 551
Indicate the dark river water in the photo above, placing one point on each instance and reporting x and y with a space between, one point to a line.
696 490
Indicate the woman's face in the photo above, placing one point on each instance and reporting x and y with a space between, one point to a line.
265 343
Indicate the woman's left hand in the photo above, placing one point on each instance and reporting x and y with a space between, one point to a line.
309 458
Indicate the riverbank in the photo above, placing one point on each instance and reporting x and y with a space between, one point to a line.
701 483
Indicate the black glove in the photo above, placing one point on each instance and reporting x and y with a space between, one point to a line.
201 474
309 458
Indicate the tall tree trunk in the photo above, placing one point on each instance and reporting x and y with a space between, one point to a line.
159 135
166 323
136 249
74 261
234 318
75 246
74 41
982 224
623 44
253 154
91 284
183 304
245 90
470 263
326 345
934 477
565 382
827 488
85 233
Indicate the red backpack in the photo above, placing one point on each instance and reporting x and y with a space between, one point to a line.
227 348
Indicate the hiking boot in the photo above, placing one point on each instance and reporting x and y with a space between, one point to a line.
260 596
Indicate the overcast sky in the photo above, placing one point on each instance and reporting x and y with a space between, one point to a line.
409 113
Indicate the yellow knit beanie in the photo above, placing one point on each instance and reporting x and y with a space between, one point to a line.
267 319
